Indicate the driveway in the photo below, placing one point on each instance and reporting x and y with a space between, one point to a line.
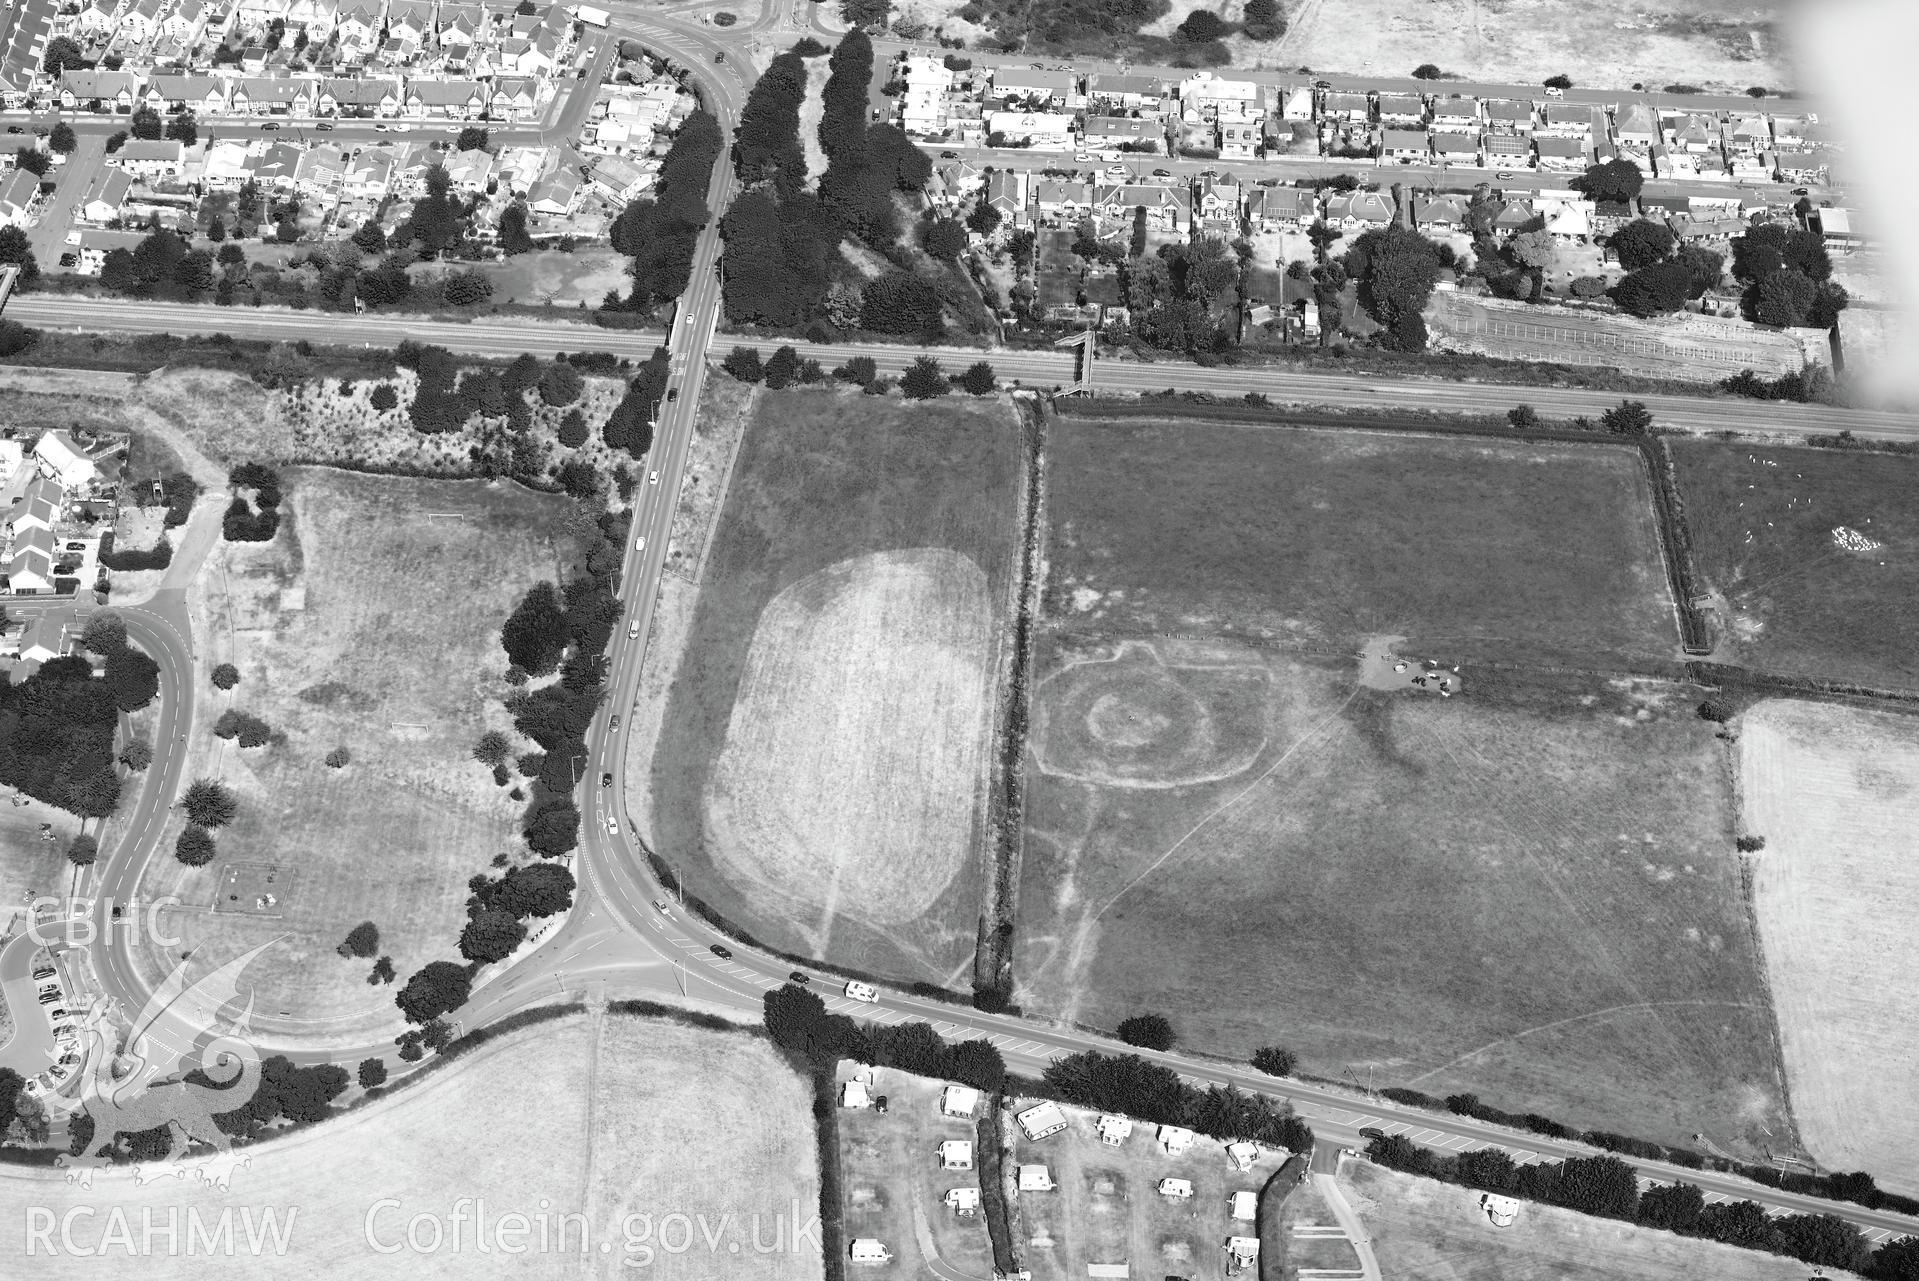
72 181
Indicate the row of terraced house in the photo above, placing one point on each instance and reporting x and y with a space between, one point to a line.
319 46
1204 115
511 98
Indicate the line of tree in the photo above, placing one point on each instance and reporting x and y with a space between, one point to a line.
630 424
797 1020
1607 1187
766 143
660 232
1129 1084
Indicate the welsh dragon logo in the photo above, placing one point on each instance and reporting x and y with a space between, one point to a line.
176 1036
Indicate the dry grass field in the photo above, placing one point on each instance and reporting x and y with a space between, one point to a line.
836 659
1529 891
1835 792
372 622
235 420
1719 45
1763 524
631 1122
1423 1230
864 554
1317 537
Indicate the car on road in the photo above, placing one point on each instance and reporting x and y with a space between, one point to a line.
672 394
1503 174
660 906
381 128
325 126
640 544
1037 66
724 954
269 125
858 991
1162 173
653 478
1117 171
612 826
15 129
1082 158
1267 182
606 780
1554 91
1800 191
633 630
402 128
615 722
949 155
719 57
798 977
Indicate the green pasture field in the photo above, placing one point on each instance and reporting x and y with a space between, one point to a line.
1763 524
1467 547
789 786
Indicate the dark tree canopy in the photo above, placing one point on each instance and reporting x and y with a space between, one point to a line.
1614 180
1641 243
1148 1031
437 988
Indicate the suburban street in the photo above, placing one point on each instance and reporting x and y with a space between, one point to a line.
618 940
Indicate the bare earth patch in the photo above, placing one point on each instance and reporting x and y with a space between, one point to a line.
1832 789
864 676
636 1120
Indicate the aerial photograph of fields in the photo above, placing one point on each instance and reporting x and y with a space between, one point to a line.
945 640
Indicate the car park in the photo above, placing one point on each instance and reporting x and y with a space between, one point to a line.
858 991
721 952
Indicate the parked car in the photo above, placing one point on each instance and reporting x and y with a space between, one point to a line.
858 991
1162 173
723 953
1554 91
269 125
48 998
1503 174
324 127
949 155
43 972
879 1104
381 128
798 977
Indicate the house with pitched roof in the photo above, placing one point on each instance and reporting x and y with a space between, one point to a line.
1057 88
140 20
1456 148
1401 110
1218 203
320 173
1636 127
39 504
1406 144
44 639
107 195
19 191
1561 152
515 98
1273 208
1110 133
411 21
558 194
619 179
446 99
117 91
273 96
1457 114
1113 94
353 96
185 22
30 572
1509 115
1345 108
1167 208
1360 210
358 26
1439 213
229 165
152 159
168 92
96 20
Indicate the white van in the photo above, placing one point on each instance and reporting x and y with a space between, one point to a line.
858 991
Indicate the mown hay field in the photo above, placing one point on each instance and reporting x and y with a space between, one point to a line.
636 1120
1835 792
1424 1230
1805 598
1464 546
821 773
370 622
1529 892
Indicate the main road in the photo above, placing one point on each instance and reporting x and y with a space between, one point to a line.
622 933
